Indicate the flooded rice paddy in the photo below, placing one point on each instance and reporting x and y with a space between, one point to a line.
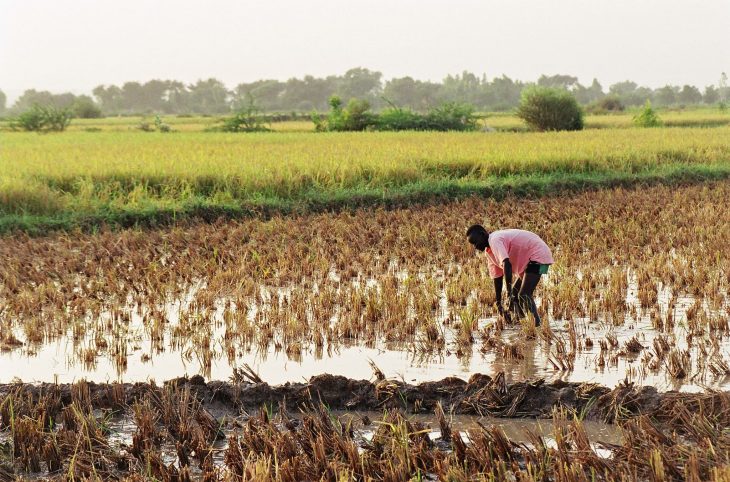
365 424
278 327
638 293
137 356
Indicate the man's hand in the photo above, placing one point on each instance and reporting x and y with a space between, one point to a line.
504 314
513 299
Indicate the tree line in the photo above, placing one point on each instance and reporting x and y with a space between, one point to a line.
211 96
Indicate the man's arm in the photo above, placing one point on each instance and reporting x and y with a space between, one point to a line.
508 273
510 286
498 291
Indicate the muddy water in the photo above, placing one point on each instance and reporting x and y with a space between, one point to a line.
122 429
136 357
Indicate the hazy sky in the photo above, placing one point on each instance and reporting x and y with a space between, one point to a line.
75 45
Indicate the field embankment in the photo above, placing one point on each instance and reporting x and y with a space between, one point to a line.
190 430
127 178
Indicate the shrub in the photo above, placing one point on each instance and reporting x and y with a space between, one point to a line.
610 103
396 119
647 117
355 117
246 119
162 126
85 108
41 118
549 109
452 116
145 126
447 117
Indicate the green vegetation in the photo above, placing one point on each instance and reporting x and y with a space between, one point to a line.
355 117
451 116
647 117
358 117
610 103
41 118
124 178
246 119
550 109
84 107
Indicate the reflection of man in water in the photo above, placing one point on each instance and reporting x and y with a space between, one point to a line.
515 251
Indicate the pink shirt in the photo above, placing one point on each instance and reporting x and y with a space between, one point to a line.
520 247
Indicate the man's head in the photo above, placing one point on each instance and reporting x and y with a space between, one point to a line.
478 236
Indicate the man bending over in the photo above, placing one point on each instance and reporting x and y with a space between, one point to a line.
513 252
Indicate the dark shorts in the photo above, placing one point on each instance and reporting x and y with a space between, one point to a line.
533 267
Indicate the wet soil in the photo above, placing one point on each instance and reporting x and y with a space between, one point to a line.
481 395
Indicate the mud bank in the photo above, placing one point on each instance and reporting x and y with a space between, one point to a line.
480 395
188 429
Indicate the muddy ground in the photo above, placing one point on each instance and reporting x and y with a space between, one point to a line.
481 395
189 429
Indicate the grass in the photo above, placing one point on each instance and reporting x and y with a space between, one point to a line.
703 117
126 178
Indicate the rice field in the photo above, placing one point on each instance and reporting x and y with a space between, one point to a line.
310 342
126 178
639 273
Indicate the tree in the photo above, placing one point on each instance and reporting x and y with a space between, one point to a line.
3 102
153 95
630 93
722 88
132 98
466 87
32 97
267 94
586 95
711 95
623 89
177 98
209 97
504 93
689 95
415 94
109 98
309 93
84 107
565 82
667 95
361 84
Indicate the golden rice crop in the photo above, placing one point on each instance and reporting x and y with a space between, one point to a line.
78 173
